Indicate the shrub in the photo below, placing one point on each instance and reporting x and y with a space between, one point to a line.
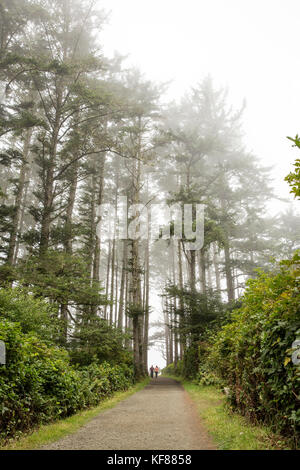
97 340
172 370
252 354
38 384
35 315
205 374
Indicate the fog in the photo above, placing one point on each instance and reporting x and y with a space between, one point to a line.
149 215
251 47
248 47
196 109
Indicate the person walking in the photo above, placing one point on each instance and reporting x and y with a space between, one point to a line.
156 370
151 371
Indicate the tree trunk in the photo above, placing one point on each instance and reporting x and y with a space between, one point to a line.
19 197
112 280
167 332
122 286
136 276
69 242
181 304
192 266
216 267
107 277
49 180
97 249
146 304
22 216
116 289
202 270
175 327
70 210
228 273
209 275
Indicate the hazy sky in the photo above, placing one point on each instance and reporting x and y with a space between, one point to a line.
249 46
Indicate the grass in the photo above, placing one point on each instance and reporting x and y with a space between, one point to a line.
53 432
230 431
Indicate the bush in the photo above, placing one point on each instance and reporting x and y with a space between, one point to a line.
38 384
100 341
35 315
252 354
172 370
205 374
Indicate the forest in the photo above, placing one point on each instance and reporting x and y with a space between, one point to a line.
77 314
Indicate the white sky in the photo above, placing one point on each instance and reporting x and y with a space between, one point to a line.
249 46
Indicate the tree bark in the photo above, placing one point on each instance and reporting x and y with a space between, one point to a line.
228 273
202 271
181 304
216 267
97 249
107 278
122 286
112 281
19 197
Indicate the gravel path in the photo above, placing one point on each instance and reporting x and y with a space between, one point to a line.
159 417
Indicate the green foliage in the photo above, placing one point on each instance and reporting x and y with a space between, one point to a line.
7 275
134 311
252 353
205 374
102 379
62 278
38 384
201 312
35 315
95 339
172 370
191 361
294 178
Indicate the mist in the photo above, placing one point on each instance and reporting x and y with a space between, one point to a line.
189 105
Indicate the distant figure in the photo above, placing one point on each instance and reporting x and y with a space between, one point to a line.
151 371
156 371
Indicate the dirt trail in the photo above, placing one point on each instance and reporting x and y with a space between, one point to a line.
159 417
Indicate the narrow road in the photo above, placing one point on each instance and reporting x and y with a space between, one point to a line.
159 417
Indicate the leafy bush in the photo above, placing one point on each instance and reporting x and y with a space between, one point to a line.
294 178
38 384
205 374
191 361
100 380
172 370
100 341
252 354
35 315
